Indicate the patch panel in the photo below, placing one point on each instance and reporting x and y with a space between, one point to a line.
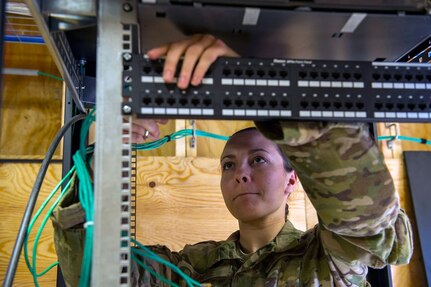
253 89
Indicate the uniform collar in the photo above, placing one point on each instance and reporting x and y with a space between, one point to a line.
288 239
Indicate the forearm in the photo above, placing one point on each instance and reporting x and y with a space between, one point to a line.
343 173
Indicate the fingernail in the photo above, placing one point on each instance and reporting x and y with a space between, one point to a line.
182 81
168 75
196 80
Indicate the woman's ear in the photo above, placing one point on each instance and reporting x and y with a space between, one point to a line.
292 181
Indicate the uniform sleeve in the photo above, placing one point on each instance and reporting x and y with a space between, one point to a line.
149 272
345 177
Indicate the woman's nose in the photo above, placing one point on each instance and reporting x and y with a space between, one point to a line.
242 175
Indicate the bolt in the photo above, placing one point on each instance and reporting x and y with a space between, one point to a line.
127 79
127 109
127 57
127 7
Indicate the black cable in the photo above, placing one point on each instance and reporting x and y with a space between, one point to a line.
22 232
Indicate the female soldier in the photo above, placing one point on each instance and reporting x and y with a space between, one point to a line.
342 172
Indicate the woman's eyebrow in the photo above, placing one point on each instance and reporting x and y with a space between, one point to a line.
230 156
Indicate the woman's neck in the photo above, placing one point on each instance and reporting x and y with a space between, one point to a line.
255 235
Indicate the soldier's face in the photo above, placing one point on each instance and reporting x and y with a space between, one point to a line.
254 183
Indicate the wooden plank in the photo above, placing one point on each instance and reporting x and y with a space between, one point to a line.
16 182
31 106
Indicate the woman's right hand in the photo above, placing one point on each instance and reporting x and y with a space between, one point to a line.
198 51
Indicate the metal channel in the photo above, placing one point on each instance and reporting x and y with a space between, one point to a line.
112 161
58 52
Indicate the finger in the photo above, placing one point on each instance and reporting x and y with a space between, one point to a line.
140 127
191 57
173 55
137 138
208 57
158 52
162 121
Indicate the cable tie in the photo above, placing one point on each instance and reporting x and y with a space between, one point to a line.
168 137
88 223
423 141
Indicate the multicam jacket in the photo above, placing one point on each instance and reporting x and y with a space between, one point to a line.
360 222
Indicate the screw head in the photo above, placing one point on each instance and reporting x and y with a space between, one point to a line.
127 109
127 57
127 7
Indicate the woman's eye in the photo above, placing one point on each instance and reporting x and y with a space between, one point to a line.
227 165
259 159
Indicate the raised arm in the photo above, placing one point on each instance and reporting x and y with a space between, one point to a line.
346 179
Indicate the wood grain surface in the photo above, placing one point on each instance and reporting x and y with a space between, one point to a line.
16 182
31 106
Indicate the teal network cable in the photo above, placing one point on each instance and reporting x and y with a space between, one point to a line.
404 138
147 253
32 266
175 136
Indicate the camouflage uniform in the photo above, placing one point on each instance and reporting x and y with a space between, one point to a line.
360 222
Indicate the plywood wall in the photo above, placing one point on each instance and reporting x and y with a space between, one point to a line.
16 182
31 106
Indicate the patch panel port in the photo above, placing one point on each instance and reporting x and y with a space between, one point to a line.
171 101
315 105
261 103
314 75
389 106
227 72
346 76
326 105
272 73
357 76
304 104
159 101
283 73
183 101
195 102
378 106
359 105
227 102
273 103
411 106
239 103
302 74
337 105
207 102
147 69
284 104
422 106
419 78
398 77
158 69
250 103
335 75
408 77
376 76
261 73
401 106
146 100
387 77
324 75
238 72
249 73
348 105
